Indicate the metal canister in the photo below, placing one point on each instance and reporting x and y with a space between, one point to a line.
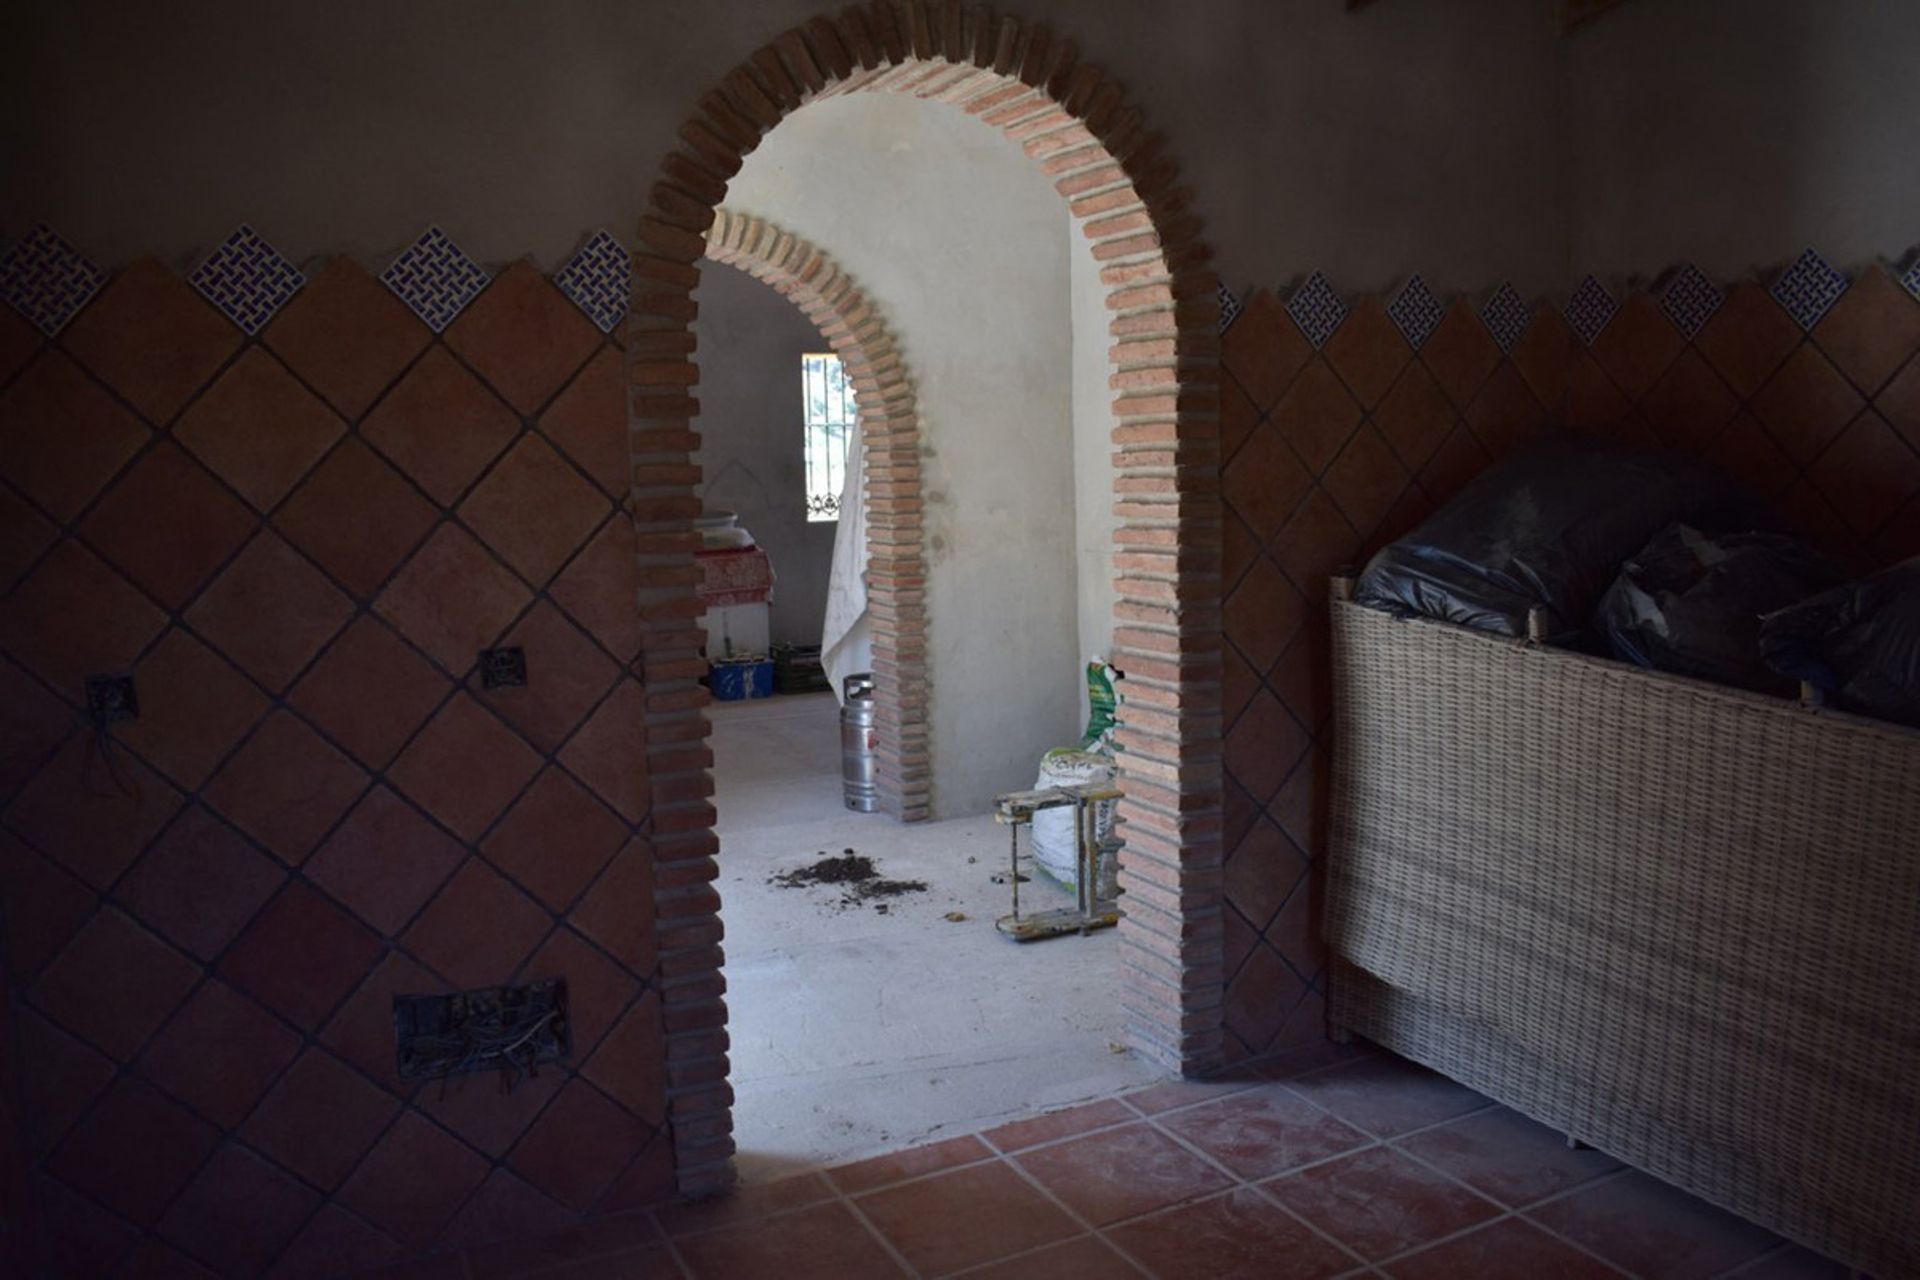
857 745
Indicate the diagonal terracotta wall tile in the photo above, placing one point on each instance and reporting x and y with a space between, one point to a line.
168 524
258 428
153 339
357 517
440 425
1368 351
1872 330
588 421
194 708
346 335
524 337
63 435
270 611
534 508
452 598
92 808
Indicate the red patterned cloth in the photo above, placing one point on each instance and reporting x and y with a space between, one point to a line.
735 575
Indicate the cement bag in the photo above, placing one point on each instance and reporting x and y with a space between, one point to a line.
1102 704
1055 851
1858 645
1690 603
1549 527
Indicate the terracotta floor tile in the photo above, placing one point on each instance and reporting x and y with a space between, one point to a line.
1378 1202
825 1242
1264 1131
896 1166
1508 1156
1122 1173
1386 1095
1087 1258
1312 1057
1510 1249
1794 1263
590 1240
1238 1236
637 1264
1184 1093
961 1219
743 1204
1652 1229
1055 1125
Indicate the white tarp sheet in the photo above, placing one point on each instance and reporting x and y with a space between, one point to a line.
846 637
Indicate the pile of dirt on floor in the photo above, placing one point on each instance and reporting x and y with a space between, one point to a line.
854 875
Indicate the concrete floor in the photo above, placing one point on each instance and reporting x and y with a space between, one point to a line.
856 1032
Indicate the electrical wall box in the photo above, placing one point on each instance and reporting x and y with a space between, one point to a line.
511 1029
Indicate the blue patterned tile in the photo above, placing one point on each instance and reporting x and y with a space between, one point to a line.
248 279
47 280
435 278
1317 309
1417 312
599 279
1229 308
1910 278
1690 299
1506 316
1589 309
1808 288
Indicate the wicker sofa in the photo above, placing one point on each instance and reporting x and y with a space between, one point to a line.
1678 922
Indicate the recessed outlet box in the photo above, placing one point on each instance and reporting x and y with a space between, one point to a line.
504 668
511 1029
111 699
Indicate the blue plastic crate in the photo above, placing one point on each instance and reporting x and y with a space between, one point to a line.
738 679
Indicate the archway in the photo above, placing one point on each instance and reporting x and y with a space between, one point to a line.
1121 187
889 426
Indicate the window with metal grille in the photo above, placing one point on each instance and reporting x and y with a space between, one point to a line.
827 399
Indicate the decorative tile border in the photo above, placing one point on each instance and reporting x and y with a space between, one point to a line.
1506 316
1690 299
1809 288
1416 312
599 280
1229 308
247 279
435 278
1317 309
47 280
1589 310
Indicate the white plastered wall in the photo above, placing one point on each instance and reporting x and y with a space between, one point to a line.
962 243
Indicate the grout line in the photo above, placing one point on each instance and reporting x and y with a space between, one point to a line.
1243 1181
845 1202
1515 1212
1099 1231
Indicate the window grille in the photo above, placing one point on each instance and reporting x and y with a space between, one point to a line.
827 399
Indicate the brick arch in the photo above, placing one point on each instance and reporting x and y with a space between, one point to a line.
889 430
1122 188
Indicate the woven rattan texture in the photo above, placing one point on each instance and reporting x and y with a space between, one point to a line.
1678 922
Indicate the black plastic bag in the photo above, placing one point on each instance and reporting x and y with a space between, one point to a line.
1548 527
1858 645
1690 602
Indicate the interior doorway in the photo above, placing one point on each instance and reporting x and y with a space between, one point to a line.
1160 348
871 1000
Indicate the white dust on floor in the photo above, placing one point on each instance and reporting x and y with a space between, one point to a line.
856 1031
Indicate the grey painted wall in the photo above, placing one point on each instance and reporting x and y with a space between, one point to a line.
1734 133
751 340
1407 134
1464 140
